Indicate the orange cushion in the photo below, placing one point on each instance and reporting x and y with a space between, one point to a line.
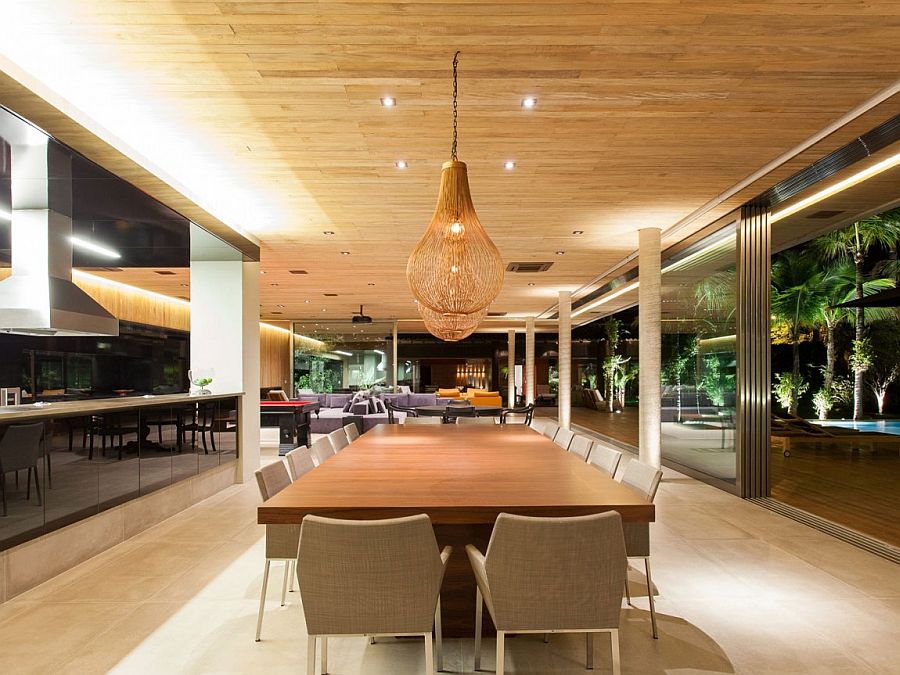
480 392
448 393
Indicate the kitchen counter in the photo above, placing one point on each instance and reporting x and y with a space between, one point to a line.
58 409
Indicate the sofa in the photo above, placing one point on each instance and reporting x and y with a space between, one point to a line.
331 412
482 397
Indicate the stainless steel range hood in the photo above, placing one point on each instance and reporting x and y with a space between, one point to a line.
39 298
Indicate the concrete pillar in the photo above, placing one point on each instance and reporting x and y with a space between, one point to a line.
529 360
649 344
225 333
564 397
511 369
394 363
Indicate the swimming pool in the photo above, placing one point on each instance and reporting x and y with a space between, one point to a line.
877 426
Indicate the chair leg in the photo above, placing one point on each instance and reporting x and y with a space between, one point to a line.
27 483
371 639
324 656
546 638
429 655
614 644
627 590
292 576
262 602
650 596
478 608
3 490
284 584
439 637
589 651
49 472
500 654
37 486
311 655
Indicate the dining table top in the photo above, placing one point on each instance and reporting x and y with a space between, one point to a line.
466 474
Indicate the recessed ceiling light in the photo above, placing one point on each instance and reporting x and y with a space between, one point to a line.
273 284
529 102
280 306
576 232
306 301
328 233
388 101
509 165
560 253
262 272
531 283
345 252
401 164
324 310
371 283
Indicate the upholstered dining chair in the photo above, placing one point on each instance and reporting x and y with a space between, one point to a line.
512 415
321 450
605 458
581 446
423 420
563 438
388 582
550 429
476 420
281 540
21 447
299 461
338 439
352 431
644 479
534 578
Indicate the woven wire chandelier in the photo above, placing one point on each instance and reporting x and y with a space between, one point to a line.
451 327
455 270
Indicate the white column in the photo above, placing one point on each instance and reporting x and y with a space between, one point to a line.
225 337
511 369
529 360
564 398
394 378
649 345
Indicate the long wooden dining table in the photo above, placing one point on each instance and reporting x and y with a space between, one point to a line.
463 477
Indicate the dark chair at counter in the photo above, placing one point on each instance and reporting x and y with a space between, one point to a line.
20 448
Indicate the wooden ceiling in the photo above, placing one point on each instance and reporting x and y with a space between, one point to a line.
645 111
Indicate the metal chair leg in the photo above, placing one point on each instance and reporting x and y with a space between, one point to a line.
650 596
614 643
500 654
311 655
546 638
284 584
439 636
627 590
292 575
324 656
589 651
429 654
479 602
262 601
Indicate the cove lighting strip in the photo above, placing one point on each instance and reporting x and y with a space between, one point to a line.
840 186
103 281
606 298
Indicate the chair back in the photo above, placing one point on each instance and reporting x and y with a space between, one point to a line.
556 573
369 576
423 420
605 458
272 479
277 395
527 411
550 430
299 461
642 477
338 439
581 446
563 438
352 431
476 420
20 446
321 450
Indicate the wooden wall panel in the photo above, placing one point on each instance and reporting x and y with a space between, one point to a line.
274 357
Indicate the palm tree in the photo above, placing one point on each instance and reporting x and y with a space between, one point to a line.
854 243
839 284
796 302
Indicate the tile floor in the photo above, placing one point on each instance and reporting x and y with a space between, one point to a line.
741 590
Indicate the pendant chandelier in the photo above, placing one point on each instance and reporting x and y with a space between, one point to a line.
451 327
455 270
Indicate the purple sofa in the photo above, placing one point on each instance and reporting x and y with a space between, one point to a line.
331 413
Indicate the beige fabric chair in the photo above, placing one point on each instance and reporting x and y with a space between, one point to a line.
422 420
338 439
371 577
476 420
551 575
581 446
605 458
321 450
550 429
644 479
281 540
352 431
563 438
299 461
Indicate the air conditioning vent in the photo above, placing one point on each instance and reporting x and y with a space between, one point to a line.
825 214
496 313
165 273
299 272
528 267
330 295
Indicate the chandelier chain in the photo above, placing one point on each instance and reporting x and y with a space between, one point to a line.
453 147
